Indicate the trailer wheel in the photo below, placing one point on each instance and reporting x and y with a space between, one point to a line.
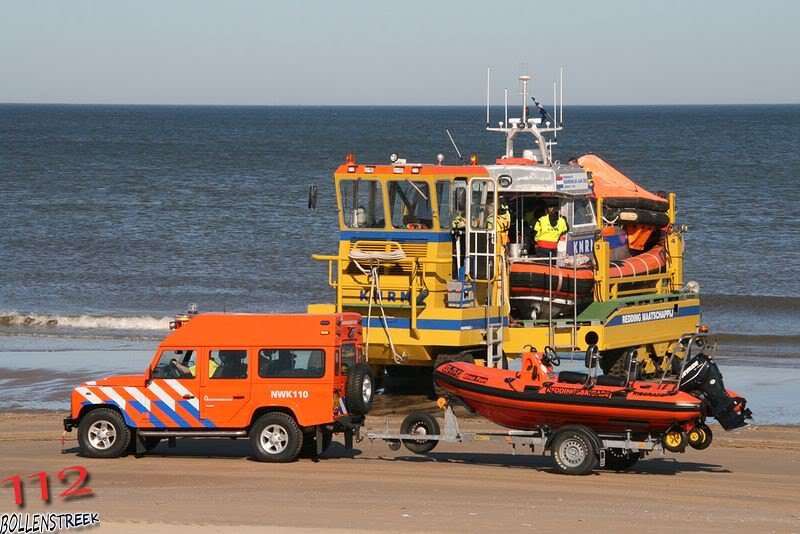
421 424
275 437
360 389
102 433
700 437
621 459
574 453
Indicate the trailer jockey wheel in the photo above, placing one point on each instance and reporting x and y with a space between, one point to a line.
675 441
700 437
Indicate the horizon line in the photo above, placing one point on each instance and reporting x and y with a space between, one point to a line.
483 106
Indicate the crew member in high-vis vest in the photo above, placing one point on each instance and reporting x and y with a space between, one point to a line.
503 220
548 230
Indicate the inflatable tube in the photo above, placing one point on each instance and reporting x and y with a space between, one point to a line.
539 279
643 216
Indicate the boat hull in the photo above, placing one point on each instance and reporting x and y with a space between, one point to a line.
505 398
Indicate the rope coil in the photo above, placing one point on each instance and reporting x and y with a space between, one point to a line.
373 275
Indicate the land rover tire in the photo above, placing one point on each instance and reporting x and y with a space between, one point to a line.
102 433
275 437
360 389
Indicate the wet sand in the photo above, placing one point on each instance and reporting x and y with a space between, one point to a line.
747 481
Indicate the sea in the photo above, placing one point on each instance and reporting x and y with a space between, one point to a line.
115 218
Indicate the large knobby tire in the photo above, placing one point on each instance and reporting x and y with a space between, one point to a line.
574 453
621 459
612 362
360 389
275 437
309 447
420 424
102 433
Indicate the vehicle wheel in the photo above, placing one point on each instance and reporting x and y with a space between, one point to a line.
420 424
700 437
674 441
612 363
574 453
360 389
621 459
446 358
309 447
102 433
275 437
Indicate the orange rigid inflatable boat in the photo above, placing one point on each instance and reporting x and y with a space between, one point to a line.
535 397
542 278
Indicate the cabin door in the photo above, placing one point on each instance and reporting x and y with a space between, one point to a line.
480 235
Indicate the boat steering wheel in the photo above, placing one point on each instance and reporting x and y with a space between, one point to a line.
551 357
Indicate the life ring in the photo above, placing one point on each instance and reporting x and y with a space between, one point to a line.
415 226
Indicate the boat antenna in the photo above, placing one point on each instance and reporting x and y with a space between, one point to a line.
505 124
454 145
488 74
561 85
555 112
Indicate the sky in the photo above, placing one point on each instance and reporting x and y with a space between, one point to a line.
411 52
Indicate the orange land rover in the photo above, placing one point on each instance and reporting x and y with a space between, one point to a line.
287 382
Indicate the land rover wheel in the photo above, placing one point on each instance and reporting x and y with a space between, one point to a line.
275 437
360 389
420 424
621 459
574 453
102 433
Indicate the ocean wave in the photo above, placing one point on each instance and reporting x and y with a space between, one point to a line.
88 322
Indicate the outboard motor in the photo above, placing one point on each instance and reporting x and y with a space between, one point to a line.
702 375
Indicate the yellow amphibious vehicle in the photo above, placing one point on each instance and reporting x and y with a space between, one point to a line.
442 262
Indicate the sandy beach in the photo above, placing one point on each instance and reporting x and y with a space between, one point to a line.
747 481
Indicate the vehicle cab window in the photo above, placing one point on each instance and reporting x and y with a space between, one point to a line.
176 363
581 213
362 204
410 204
291 363
227 364
348 357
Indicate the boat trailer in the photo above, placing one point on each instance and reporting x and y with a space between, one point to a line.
576 449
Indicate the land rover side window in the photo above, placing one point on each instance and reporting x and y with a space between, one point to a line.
348 357
410 204
583 212
291 363
362 204
443 203
227 364
178 363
